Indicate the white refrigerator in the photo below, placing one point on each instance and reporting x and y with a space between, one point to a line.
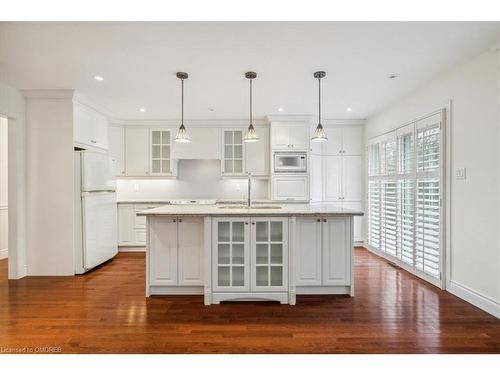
96 234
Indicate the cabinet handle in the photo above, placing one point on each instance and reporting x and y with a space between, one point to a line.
318 220
246 222
180 220
175 220
253 222
324 220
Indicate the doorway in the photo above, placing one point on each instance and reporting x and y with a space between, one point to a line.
4 201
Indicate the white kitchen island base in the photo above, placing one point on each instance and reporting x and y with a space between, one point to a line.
249 254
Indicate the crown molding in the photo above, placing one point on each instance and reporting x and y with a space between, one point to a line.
289 118
48 94
221 123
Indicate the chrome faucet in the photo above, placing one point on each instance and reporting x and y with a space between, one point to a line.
249 199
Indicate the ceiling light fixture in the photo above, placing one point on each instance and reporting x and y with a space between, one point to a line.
280 109
349 109
182 135
99 78
251 135
319 133
142 109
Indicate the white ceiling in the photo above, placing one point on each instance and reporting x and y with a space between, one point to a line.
138 62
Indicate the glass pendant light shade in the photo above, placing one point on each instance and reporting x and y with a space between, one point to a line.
251 134
319 133
182 135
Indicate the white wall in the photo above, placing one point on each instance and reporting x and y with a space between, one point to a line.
49 166
196 179
473 89
12 105
4 178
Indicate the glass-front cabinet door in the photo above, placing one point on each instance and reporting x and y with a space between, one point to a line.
269 265
161 144
232 163
230 262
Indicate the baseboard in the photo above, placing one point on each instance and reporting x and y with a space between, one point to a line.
4 253
128 249
477 299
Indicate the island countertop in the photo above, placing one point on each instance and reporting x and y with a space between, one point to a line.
285 209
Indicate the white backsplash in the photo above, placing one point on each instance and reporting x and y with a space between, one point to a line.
196 179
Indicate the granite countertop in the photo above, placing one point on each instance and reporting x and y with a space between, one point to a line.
285 209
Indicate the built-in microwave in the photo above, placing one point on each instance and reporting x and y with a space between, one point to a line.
290 162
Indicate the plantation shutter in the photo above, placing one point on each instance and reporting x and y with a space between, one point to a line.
428 205
404 194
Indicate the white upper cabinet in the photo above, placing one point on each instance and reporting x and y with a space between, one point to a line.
117 149
160 152
232 152
137 151
257 154
352 140
334 144
292 137
90 127
343 141
205 144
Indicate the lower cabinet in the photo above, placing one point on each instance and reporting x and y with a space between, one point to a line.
132 228
324 251
176 251
250 256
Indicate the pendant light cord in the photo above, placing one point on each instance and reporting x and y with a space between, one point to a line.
319 101
251 102
182 102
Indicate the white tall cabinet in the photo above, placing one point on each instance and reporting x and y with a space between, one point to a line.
341 174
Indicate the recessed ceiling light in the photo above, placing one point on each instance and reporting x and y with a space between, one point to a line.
349 109
142 109
392 76
280 109
211 109
99 78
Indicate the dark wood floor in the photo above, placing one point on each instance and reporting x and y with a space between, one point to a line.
105 311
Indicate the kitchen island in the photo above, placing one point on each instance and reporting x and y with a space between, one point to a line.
235 253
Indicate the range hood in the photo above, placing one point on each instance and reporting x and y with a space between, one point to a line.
205 144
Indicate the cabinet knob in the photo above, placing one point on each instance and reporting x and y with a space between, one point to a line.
175 220
180 220
246 222
253 222
324 220
318 220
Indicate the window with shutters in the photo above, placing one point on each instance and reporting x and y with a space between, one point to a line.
404 195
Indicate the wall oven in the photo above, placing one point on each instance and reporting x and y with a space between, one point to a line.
290 162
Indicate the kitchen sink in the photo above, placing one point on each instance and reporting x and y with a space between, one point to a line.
256 207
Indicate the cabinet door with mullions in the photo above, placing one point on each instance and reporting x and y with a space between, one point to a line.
269 265
231 242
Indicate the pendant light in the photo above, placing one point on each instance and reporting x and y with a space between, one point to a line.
182 135
319 132
251 135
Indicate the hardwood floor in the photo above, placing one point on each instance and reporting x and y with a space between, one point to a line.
105 311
